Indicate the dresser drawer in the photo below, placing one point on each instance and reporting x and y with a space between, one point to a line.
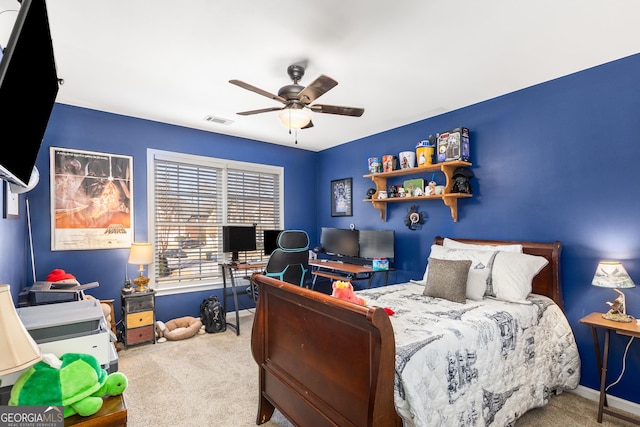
135 320
138 335
139 304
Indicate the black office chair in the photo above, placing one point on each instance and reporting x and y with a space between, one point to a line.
289 262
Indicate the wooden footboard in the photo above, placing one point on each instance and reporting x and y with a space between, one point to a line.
323 361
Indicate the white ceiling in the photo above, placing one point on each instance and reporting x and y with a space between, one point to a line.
402 61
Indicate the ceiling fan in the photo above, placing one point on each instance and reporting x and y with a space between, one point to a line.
297 99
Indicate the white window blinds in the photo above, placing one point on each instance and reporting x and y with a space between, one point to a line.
191 198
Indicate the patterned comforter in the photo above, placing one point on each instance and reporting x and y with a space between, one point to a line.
476 364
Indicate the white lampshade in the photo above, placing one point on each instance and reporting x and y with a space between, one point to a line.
19 350
141 253
294 118
611 274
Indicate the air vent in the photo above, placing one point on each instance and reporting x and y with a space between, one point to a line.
218 120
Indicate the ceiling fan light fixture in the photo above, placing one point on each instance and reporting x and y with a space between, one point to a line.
294 118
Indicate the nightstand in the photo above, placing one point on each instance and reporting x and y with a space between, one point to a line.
139 317
631 329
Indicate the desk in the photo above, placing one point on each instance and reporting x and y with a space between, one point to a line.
112 414
229 269
344 271
631 329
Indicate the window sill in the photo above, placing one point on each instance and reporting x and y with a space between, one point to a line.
183 289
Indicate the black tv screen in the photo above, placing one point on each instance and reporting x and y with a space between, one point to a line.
270 240
339 241
376 244
238 238
28 89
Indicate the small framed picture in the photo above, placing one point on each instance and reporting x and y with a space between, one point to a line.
341 202
11 203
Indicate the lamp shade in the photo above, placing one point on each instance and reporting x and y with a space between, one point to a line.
294 118
141 253
611 274
19 350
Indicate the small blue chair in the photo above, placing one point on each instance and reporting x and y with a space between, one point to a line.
289 262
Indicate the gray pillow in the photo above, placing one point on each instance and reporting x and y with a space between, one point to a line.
447 279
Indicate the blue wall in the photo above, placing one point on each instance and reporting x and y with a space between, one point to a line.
78 128
556 161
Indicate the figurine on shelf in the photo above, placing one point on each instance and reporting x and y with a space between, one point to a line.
370 193
430 190
461 184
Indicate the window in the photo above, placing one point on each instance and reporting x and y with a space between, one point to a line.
190 198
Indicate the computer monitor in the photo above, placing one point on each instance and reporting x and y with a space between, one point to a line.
376 244
238 238
270 239
339 241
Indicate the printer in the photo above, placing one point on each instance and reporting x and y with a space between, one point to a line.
53 292
67 327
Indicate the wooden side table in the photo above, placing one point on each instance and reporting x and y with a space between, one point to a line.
112 414
631 329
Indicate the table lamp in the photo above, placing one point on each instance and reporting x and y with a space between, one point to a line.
141 253
19 350
611 274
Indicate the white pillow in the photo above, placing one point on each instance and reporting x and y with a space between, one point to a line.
479 271
513 274
454 244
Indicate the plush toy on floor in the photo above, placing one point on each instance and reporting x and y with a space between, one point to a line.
75 381
344 290
178 329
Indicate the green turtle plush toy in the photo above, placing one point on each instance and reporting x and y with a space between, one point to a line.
75 381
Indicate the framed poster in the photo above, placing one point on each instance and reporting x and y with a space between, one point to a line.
91 200
341 203
11 205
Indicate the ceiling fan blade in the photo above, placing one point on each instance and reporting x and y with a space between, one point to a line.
334 109
257 90
310 125
262 110
315 90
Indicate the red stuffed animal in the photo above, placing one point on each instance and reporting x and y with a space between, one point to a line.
344 290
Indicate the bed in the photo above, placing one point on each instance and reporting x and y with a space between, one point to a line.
432 362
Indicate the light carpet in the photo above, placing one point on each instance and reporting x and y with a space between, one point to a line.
212 380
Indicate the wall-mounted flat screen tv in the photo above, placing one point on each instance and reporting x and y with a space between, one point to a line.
339 241
28 90
376 244
238 238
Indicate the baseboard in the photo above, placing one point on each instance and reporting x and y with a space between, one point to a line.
614 402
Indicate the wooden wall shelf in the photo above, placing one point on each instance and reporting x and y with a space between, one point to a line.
450 199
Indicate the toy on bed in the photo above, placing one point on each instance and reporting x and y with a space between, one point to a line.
75 381
178 329
344 290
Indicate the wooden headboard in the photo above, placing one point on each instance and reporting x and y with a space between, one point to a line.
547 282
